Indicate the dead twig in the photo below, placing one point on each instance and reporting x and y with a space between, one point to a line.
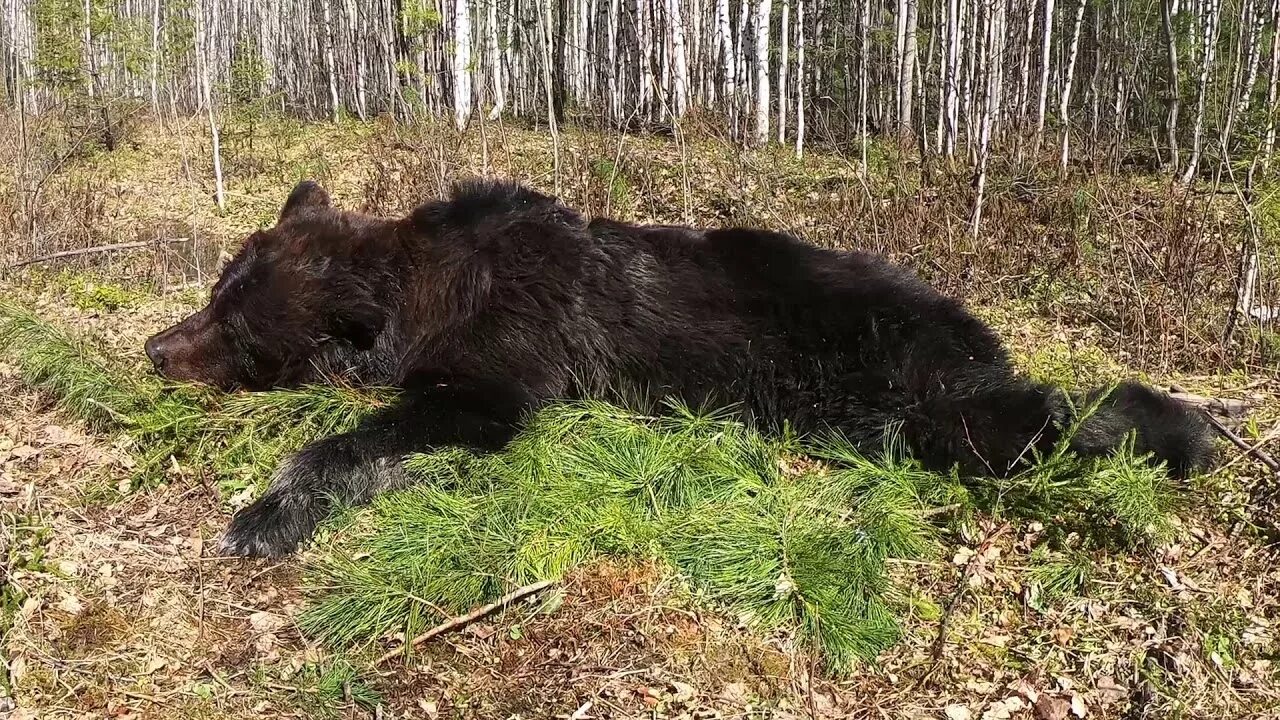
464 620
944 622
1218 406
98 249
1254 451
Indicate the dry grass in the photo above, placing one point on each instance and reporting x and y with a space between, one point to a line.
1154 266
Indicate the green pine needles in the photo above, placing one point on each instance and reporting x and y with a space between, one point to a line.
785 536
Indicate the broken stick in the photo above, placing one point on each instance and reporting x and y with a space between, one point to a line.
117 247
464 620
1254 451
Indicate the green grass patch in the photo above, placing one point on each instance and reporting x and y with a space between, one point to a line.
86 294
24 542
785 534
239 437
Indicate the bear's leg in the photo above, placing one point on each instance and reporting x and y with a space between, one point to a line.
354 467
1171 432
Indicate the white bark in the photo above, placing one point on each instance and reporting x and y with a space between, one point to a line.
543 20
955 39
679 59
740 60
907 66
354 20
611 45
992 41
155 57
763 10
1273 86
864 60
1024 73
728 61
1168 8
495 61
1209 36
206 95
88 51
1065 101
801 87
461 63
1046 45
644 30
782 72
329 62
1251 63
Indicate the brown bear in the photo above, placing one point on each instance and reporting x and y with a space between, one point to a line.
489 304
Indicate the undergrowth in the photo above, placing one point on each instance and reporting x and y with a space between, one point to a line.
789 535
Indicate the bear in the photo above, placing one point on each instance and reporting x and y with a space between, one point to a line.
488 304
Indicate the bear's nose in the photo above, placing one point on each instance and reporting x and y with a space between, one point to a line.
155 351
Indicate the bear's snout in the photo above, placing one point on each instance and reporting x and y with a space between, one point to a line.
156 353
188 351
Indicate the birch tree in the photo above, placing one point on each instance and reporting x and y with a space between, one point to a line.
461 63
1168 9
762 71
1273 108
1065 100
728 62
202 60
1209 36
879 68
800 79
679 59
784 38
1046 46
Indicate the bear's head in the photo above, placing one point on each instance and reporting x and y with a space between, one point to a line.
295 295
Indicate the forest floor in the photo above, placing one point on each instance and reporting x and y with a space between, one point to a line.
115 607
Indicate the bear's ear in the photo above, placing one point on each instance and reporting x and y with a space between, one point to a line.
307 193
359 323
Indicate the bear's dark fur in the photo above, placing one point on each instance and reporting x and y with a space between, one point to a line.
498 300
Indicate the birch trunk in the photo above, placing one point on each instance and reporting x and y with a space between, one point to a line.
1273 87
1046 45
206 96
801 88
763 10
864 60
1168 8
728 62
1209 36
679 59
461 63
1065 101
334 104
784 38
155 57
906 86
611 45
495 62
955 15
644 28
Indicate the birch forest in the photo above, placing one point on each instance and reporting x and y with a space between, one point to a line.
1175 85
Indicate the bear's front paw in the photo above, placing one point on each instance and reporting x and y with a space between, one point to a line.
271 527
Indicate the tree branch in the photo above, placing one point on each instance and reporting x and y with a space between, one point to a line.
464 620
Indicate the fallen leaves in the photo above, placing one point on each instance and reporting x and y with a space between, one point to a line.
1048 707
